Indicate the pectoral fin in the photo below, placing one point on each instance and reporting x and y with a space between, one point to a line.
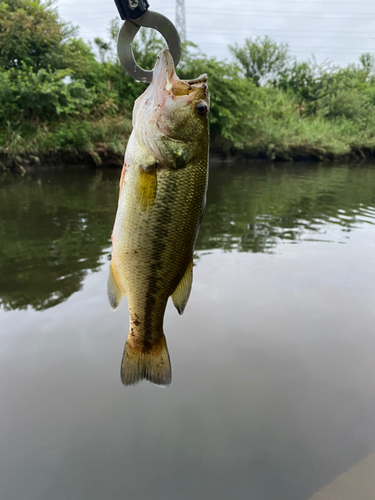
113 290
181 295
122 178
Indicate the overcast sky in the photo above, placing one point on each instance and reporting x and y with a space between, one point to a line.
333 29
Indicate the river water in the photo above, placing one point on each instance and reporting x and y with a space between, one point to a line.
273 392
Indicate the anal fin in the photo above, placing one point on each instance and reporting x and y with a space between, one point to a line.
113 290
181 295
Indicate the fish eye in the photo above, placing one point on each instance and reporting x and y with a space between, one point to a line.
201 108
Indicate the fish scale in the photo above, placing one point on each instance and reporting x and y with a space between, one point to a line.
161 203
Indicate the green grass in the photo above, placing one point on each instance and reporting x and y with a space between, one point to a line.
103 141
72 140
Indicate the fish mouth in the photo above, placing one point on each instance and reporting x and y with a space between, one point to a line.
159 112
164 70
165 77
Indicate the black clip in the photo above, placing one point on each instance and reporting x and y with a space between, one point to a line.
131 9
148 19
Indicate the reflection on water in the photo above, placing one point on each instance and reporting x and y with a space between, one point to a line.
254 210
55 225
273 395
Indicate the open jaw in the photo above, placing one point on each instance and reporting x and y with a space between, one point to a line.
165 77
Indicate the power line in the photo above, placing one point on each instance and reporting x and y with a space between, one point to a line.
90 4
265 30
101 12
228 12
249 31
325 49
258 13
297 2
331 15
307 47
291 32
309 33
283 13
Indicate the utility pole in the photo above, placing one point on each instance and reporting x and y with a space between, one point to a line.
180 19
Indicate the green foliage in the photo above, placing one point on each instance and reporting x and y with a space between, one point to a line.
367 61
331 92
54 226
103 48
56 95
146 45
31 34
261 58
307 80
345 97
233 99
53 231
41 96
296 206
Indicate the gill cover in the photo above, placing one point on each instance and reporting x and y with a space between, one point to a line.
167 118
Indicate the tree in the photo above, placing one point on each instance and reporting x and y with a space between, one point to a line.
32 35
367 61
309 81
46 73
103 47
261 58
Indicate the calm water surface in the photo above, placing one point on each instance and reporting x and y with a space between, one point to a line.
273 392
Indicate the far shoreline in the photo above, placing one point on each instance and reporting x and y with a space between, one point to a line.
107 158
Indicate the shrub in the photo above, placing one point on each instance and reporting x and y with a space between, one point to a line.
44 95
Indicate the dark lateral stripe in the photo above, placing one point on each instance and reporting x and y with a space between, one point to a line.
164 216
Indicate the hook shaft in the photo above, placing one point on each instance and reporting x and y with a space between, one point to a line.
126 36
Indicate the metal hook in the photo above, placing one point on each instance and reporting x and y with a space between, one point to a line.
127 33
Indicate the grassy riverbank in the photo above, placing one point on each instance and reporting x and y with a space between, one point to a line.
103 141
60 104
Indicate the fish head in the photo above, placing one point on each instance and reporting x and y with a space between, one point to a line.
170 118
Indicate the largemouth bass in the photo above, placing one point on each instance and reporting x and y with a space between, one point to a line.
161 203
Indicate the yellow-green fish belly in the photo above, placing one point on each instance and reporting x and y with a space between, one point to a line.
153 239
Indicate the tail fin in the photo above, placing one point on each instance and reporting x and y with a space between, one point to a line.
152 365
